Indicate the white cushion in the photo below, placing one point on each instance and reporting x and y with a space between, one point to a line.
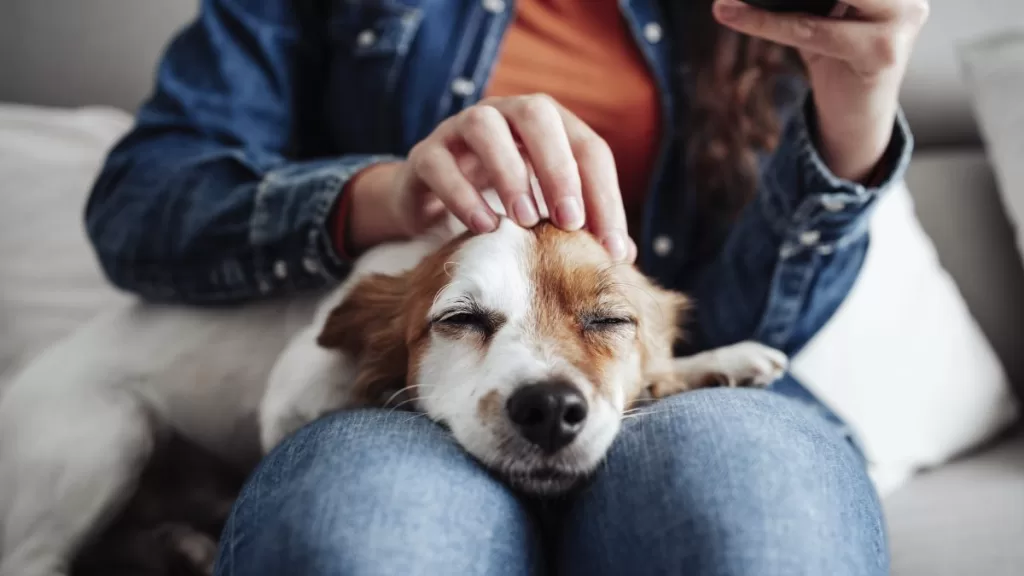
902 361
49 280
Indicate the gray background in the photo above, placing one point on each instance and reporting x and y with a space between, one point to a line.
75 52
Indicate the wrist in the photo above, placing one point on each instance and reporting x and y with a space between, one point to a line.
365 215
853 136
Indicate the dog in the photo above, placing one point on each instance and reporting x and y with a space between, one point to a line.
528 344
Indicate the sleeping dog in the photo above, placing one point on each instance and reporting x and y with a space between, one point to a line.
528 344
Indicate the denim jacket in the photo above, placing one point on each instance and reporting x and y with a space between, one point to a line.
263 109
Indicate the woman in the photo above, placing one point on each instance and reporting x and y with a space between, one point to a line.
284 138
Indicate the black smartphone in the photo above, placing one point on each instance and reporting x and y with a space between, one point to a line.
816 7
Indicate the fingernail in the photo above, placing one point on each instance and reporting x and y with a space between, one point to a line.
728 9
569 213
525 213
615 244
481 221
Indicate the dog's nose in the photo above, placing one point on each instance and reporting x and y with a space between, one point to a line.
548 414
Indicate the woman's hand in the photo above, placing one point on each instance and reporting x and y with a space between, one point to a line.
856 61
496 144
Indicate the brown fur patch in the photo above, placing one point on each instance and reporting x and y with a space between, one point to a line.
574 277
490 408
382 323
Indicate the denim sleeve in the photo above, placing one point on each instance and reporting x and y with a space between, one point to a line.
211 197
796 250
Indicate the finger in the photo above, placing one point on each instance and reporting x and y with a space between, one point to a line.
429 213
874 9
606 215
632 251
538 123
435 166
488 136
840 10
470 166
871 45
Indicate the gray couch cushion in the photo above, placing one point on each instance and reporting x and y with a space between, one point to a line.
965 518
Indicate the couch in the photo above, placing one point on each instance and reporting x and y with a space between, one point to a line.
72 73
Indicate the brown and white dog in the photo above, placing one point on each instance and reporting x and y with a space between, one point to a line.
529 345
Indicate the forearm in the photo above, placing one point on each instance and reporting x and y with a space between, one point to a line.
852 134
368 216
795 251
176 217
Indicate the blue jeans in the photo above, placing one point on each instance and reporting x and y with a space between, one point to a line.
712 482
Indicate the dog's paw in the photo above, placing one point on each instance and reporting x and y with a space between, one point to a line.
739 365
749 364
196 550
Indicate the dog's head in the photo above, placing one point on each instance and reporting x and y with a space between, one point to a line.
527 344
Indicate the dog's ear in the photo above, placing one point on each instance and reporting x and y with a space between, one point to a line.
369 326
661 315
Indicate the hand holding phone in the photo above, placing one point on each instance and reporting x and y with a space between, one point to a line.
854 63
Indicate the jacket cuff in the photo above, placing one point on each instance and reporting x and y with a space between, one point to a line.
294 213
808 205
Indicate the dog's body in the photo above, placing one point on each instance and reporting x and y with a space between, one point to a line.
79 425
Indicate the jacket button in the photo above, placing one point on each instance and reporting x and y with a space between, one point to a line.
810 237
366 38
281 269
311 265
653 32
662 246
494 6
833 204
463 87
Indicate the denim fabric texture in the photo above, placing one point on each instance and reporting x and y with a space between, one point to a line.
719 482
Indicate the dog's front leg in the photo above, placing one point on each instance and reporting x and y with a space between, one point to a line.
744 364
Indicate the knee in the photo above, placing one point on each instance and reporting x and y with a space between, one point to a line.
736 482
371 492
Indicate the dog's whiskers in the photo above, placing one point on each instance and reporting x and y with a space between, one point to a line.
398 392
433 399
646 399
645 411
414 416
446 265
402 403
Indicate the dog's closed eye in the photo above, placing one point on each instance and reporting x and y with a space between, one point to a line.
464 319
607 321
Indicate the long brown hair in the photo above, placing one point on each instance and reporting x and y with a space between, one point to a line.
731 91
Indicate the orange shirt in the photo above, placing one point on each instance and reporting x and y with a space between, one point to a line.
583 55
